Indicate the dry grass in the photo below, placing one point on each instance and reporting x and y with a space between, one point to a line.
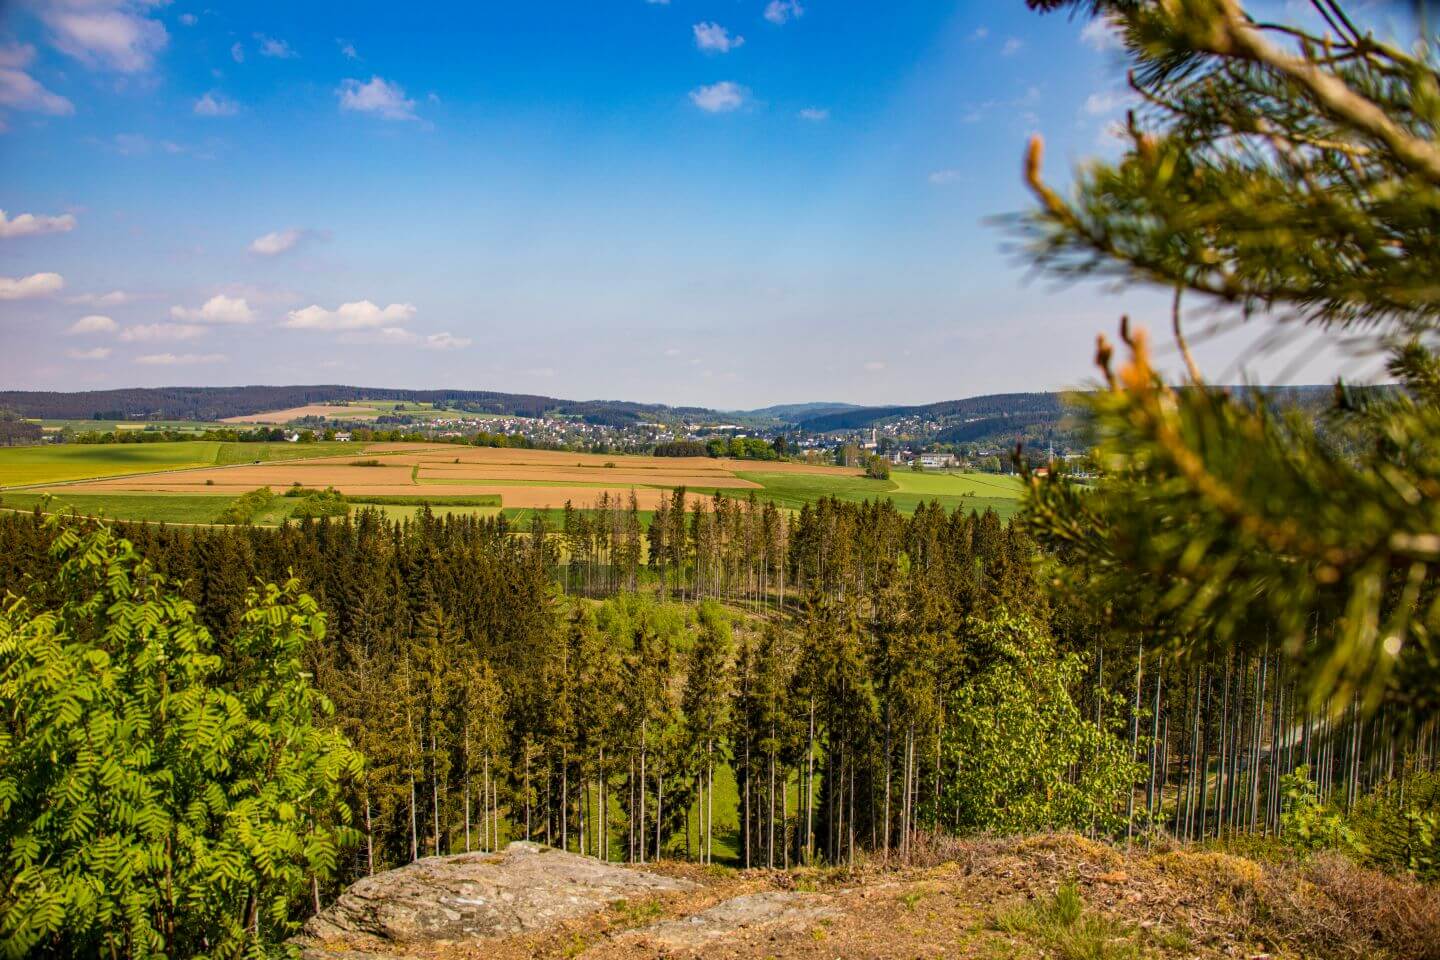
309 410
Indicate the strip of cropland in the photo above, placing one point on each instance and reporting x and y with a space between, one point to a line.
403 476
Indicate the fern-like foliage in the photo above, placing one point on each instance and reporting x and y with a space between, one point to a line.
155 801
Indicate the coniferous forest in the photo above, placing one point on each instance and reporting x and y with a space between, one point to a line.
1223 633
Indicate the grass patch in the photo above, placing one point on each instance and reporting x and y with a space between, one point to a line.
908 491
154 508
80 461
471 500
1063 926
233 453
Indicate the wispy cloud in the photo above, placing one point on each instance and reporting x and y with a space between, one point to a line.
721 97
112 299
30 224
178 359
20 91
1101 34
27 288
815 114
713 38
218 309
1012 46
446 341
1099 104
360 315
378 96
188 19
275 49
941 177
274 244
780 11
347 49
237 52
114 35
215 104
94 353
161 332
90 325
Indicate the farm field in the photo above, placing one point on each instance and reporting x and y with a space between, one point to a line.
26 466
204 508
358 410
352 411
131 481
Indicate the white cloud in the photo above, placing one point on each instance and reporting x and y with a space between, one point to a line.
30 224
719 97
182 359
446 341
779 11
941 177
815 114
361 315
347 49
237 52
189 19
94 353
980 33
160 332
112 299
94 323
275 49
20 91
218 309
874 365
273 244
1012 46
106 34
658 3
216 105
1101 34
35 285
713 38
378 96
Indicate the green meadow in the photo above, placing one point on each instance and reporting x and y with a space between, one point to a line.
908 490
26 466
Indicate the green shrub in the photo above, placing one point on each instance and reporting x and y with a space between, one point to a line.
157 799
244 508
324 503
1025 757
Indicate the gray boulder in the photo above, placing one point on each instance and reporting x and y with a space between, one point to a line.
526 889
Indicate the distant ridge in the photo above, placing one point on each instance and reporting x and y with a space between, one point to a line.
1039 420
217 403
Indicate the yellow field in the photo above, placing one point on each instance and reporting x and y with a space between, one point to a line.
309 410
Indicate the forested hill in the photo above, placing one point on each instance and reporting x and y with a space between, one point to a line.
217 403
1033 416
1014 405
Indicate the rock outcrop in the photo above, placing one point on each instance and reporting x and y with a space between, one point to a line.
772 913
474 896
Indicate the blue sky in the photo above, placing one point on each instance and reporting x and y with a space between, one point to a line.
728 203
